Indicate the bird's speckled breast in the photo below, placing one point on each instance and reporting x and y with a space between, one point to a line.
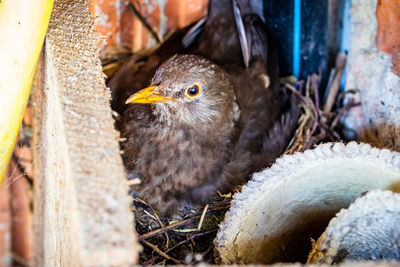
173 161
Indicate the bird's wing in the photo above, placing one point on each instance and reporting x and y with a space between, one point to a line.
268 116
241 33
228 37
219 39
192 35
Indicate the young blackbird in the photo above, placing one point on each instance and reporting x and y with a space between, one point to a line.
209 118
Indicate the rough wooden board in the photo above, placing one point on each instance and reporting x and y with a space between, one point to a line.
82 214
271 219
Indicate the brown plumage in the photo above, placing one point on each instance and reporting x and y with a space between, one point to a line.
202 126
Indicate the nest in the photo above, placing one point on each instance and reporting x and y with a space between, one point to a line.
189 240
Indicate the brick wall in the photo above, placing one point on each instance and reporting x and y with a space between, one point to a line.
123 30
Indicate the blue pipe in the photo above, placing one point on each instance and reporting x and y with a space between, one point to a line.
296 38
346 35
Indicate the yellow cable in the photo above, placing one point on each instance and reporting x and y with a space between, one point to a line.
23 25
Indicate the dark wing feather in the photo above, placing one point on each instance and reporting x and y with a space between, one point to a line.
268 116
219 40
244 45
193 34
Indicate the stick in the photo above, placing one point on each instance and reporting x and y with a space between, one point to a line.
156 249
202 217
166 228
340 64
191 237
162 225
136 12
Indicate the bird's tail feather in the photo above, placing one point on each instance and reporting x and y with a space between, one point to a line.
237 25
252 31
244 45
193 33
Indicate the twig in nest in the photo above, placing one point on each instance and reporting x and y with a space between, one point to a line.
156 249
308 86
308 123
166 228
313 107
183 242
342 113
190 239
207 251
150 215
334 89
314 78
141 201
203 215
185 230
342 95
316 125
134 181
136 12
162 225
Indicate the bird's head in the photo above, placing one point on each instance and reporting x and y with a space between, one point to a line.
190 90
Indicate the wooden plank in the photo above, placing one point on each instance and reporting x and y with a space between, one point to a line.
82 214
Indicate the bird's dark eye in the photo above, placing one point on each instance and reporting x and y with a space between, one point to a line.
193 90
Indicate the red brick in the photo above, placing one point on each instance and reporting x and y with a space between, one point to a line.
388 36
125 31
181 13
21 227
5 223
107 20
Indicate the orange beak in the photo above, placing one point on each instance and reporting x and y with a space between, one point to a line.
147 95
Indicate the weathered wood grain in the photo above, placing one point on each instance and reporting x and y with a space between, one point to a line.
82 215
